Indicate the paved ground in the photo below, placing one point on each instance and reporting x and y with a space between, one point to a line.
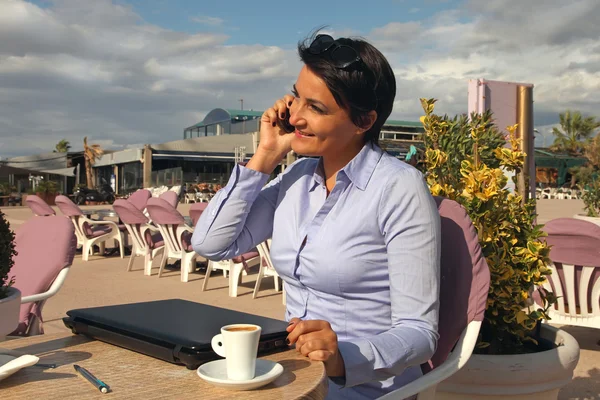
104 281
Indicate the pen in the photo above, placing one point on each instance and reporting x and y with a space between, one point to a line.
98 384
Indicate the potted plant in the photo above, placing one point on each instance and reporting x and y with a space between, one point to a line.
10 297
516 357
47 190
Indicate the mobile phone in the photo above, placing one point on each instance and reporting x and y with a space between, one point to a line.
285 123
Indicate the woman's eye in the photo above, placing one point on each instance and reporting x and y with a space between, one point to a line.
316 109
294 93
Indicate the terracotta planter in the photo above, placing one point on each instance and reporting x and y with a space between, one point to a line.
49 198
536 376
594 220
9 312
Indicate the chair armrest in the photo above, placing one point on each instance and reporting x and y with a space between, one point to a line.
56 285
150 227
83 220
183 228
455 361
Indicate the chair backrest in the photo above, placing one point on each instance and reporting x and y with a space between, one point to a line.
67 207
168 219
162 212
135 220
140 198
196 211
45 246
575 255
38 206
170 197
128 213
465 278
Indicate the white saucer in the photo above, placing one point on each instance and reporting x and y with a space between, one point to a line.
9 364
215 372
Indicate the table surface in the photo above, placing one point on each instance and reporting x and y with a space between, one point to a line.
133 375
106 212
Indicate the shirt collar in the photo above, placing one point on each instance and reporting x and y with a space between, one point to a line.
359 170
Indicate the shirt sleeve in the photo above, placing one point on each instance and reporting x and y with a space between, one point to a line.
410 223
239 216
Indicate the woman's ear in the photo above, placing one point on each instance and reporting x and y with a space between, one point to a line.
367 122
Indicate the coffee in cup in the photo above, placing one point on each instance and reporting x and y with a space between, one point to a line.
241 328
238 343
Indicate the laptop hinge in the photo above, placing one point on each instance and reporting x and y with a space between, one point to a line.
176 351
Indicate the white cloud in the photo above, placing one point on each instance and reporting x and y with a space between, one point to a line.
95 68
91 67
552 44
206 20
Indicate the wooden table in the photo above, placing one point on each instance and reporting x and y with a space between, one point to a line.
132 375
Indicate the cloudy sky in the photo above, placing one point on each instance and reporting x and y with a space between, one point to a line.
126 73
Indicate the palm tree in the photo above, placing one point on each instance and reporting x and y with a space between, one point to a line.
90 153
573 133
63 146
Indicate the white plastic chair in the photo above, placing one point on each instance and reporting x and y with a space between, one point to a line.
266 267
575 279
90 232
465 280
176 234
41 266
147 240
236 267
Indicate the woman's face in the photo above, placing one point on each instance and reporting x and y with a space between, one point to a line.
322 127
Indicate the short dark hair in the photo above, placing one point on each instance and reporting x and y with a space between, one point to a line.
370 85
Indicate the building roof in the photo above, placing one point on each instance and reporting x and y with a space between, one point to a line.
220 115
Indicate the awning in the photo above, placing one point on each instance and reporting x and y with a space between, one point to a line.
61 171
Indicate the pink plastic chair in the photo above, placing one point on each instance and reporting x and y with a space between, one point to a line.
575 279
170 197
465 281
88 231
45 247
176 234
140 198
147 240
196 211
38 206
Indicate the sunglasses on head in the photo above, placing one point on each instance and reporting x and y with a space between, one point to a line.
341 55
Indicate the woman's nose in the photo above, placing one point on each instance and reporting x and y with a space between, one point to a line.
295 114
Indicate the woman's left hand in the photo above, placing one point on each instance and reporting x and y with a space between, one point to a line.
316 340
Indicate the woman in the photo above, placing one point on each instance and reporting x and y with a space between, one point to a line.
355 231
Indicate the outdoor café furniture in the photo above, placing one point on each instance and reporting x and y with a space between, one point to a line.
147 240
140 198
236 267
190 197
170 197
101 213
41 266
465 280
38 206
132 375
196 211
176 234
90 232
575 278
266 267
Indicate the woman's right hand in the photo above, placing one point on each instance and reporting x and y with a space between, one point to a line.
273 138
274 143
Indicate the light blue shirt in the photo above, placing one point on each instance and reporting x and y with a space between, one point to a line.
370 265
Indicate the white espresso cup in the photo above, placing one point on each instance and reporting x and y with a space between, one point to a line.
238 343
